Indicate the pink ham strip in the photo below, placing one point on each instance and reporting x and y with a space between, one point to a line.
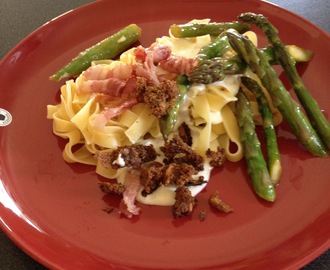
101 120
147 70
160 52
150 58
104 81
127 205
111 87
113 112
98 72
179 64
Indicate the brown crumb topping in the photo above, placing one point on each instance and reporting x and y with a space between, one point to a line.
116 188
217 157
158 97
133 156
180 175
177 151
184 202
151 176
218 204
185 133
202 215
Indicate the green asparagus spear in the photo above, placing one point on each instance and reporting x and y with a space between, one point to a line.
167 122
289 108
256 164
199 29
274 159
106 49
208 71
216 48
297 53
220 45
215 68
317 118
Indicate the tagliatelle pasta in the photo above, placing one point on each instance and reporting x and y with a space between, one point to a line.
100 111
212 118
142 125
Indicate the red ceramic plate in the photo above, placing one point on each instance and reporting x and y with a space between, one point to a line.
53 210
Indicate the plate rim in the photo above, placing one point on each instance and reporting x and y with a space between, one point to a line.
10 233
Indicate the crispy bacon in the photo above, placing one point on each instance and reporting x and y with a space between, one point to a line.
160 52
100 120
132 186
147 69
157 52
179 64
113 112
98 72
111 87
150 58
98 79
140 54
115 103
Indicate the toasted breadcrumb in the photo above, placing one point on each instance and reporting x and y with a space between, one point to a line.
217 157
158 97
132 156
218 204
116 188
177 151
184 202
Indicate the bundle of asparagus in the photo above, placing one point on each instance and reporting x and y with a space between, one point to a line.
317 118
313 130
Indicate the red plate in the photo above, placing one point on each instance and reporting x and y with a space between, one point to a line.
53 210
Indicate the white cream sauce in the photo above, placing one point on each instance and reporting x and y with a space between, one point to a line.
119 161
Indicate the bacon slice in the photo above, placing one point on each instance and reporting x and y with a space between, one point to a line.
113 112
157 52
111 82
109 113
132 186
148 69
100 72
140 54
160 52
150 58
111 87
179 64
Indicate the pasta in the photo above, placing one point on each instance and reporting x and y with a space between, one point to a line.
98 113
212 118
